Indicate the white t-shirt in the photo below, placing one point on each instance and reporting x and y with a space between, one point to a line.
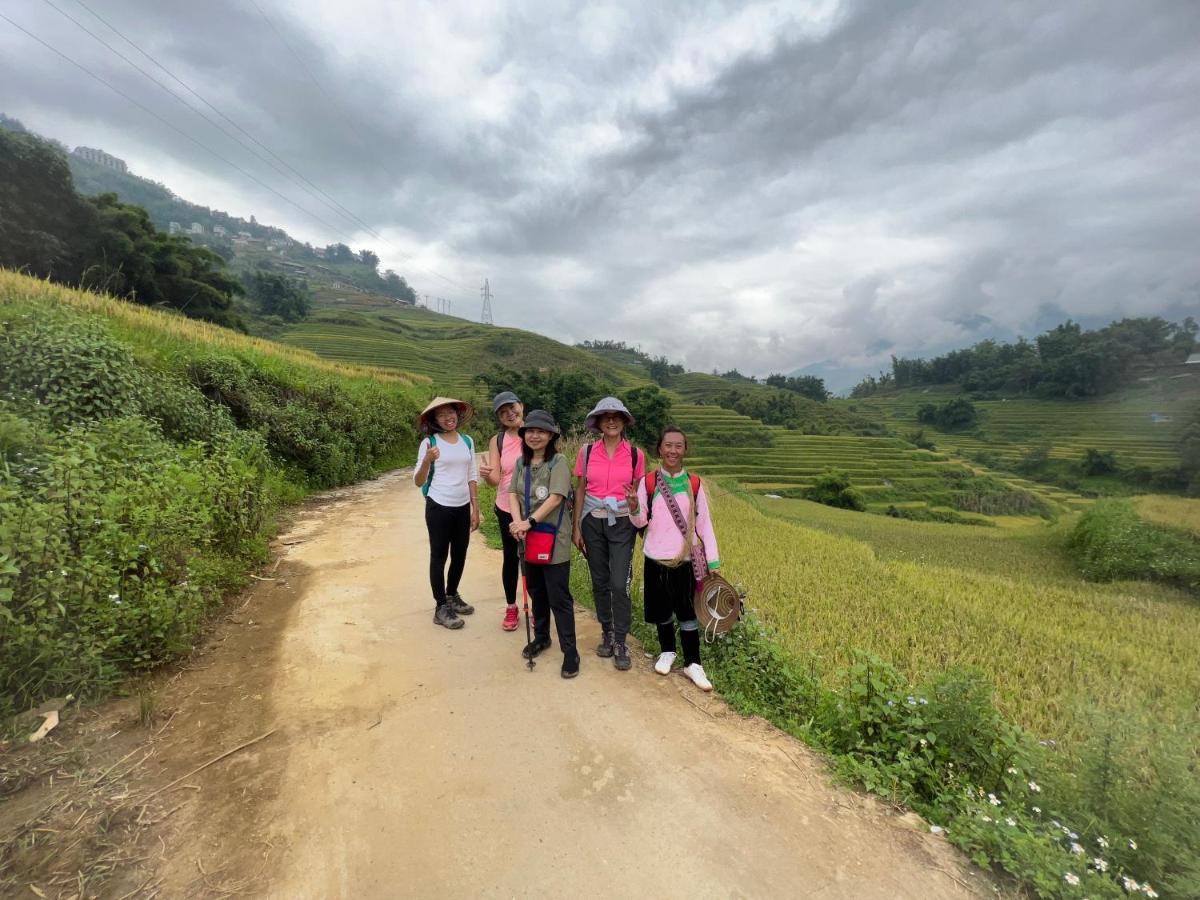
453 470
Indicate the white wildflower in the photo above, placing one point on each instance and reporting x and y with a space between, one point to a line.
1100 865
986 818
1133 845
1071 878
1033 786
993 799
1011 770
1076 849
1010 822
1149 891
1129 884
1102 842
1037 809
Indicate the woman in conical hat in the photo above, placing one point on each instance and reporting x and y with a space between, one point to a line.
448 476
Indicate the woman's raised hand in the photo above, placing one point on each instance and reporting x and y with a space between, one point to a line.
631 494
433 453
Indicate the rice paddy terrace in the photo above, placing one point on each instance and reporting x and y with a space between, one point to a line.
888 470
1141 426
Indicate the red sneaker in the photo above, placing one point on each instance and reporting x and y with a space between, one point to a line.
511 618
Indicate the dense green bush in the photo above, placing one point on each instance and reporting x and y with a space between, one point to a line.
1111 543
833 488
953 415
114 544
329 435
130 502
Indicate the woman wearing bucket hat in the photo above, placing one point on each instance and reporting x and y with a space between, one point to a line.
605 470
503 452
448 476
540 498
680 549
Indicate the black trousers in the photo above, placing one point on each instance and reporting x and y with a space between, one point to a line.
549 588
449 534
610 563
512 556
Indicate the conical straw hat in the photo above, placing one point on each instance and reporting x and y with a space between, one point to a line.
465 411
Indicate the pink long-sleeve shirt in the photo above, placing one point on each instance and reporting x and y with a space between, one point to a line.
663 539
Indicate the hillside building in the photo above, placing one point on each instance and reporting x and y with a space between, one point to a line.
220 230
91 154
196 228
174 228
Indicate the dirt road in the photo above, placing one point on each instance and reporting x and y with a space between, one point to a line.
408 760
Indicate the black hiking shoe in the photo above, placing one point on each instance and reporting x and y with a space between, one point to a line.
621 657
534 647
445 616
570 666
605 647
461 606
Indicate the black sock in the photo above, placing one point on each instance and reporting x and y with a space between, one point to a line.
666 637
691 646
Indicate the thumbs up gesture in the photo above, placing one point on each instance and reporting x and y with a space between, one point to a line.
434 453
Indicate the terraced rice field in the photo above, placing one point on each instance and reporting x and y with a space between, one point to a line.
888 470
1141 426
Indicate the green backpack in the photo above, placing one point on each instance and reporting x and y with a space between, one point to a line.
433 443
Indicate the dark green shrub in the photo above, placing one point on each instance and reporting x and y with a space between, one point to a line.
920 440
834 489
114 544
1098 462
1111 543
953 415
68 370
318 427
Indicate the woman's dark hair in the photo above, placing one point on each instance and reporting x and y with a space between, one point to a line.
550 451
671 429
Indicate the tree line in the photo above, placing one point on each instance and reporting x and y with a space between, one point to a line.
49 230
1065 362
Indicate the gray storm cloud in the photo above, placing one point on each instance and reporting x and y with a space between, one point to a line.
803 184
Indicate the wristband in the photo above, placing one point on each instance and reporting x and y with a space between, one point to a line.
532 521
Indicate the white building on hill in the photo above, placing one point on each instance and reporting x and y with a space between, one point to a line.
196 228
91 154
174 228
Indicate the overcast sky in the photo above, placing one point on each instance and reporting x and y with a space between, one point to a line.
763 186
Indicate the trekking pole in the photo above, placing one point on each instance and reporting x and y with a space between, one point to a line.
529 663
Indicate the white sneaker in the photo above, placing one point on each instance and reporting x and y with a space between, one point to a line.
662 665
696 673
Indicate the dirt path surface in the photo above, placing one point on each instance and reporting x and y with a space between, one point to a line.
407 760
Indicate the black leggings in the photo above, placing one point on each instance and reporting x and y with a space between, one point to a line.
509 573
449 534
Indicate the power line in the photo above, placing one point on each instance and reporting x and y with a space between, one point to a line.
331 202
486 292
337 108
312 189
172 126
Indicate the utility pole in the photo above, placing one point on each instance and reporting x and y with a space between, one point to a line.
486 292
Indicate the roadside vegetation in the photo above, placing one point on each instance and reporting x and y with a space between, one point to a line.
144 458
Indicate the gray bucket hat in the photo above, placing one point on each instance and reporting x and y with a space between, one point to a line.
607 405
539 418
503 399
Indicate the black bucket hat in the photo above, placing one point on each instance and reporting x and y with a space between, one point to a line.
539 418
503 399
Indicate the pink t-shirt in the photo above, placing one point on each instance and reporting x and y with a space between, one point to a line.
607 477
509 446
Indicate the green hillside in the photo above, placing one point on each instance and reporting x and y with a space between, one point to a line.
447 350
